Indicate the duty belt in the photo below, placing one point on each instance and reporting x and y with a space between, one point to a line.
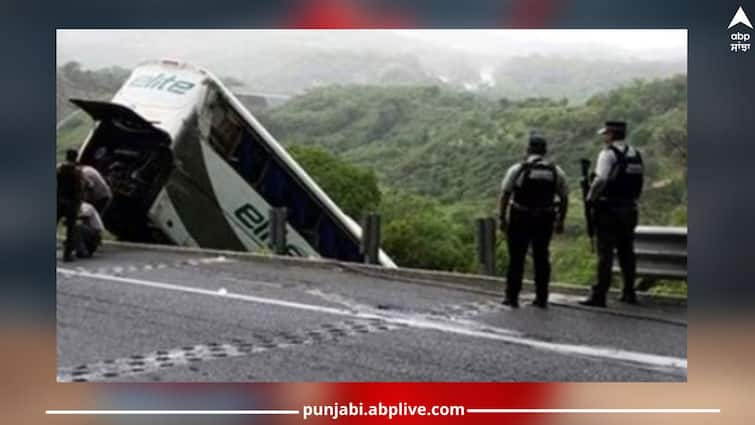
532 210
615 203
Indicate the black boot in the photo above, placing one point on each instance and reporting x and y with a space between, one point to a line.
629 297
512 302
594 301
539 303
541 297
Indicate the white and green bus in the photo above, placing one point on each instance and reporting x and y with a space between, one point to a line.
189 165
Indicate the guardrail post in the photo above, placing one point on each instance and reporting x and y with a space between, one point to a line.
371 238
486 245
278 230
661 253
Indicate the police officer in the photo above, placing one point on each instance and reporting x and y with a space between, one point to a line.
613 198
527 213
97 192
70 192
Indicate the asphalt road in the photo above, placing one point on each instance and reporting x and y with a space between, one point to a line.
130 315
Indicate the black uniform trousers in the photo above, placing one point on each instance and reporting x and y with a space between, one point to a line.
614 228
527 228
69 210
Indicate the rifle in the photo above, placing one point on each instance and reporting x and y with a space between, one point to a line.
585 185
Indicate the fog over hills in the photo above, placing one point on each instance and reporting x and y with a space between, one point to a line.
495 63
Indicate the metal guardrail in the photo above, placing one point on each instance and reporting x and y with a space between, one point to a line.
661 252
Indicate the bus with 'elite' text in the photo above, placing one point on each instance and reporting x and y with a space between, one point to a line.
189 165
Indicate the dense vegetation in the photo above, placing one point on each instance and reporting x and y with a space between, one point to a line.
440 156
355 189
454 147
430 159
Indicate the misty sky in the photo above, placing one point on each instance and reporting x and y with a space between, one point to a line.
128 47
638 41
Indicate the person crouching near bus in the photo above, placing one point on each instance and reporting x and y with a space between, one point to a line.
90 230
528 212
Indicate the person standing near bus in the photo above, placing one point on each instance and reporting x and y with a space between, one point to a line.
97 191
613 197
528 212
70 192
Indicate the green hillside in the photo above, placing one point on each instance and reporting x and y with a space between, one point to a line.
455 147
440 155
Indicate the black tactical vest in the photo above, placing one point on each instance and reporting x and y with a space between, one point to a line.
626 177
70 184
535 185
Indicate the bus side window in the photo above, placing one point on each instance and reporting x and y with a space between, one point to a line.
275 184
209 106
327 239
225 130
304 212
333 243
348 249
251 158
256 166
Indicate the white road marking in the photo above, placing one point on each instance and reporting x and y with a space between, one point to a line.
504 335
407 318
210 292
215 260
250 282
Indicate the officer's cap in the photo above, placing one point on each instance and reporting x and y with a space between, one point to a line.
537 144
618 128
537 140
71 154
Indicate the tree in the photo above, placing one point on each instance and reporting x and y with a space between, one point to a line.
672 136
420 233
352 188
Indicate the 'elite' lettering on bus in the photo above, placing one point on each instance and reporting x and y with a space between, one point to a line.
164 82
255 221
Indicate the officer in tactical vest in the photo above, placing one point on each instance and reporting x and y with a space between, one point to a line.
613 199
528 212
70 193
